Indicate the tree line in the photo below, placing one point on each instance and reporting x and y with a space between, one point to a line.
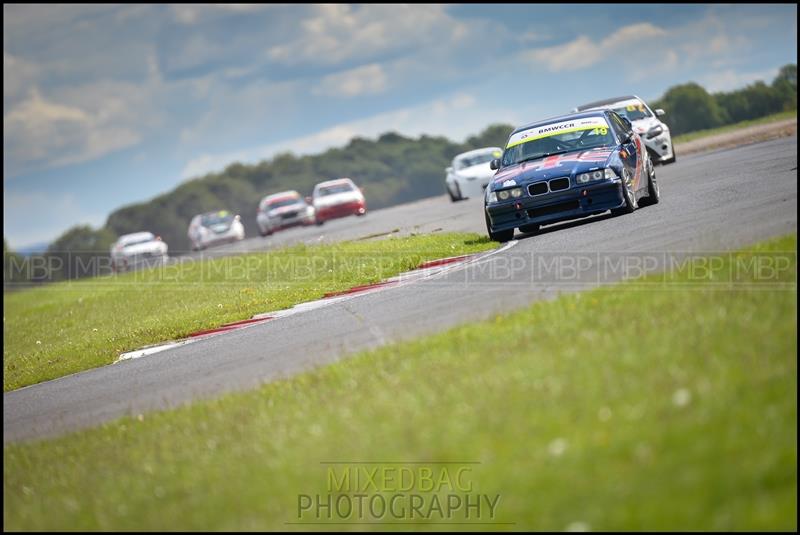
393 169
691 108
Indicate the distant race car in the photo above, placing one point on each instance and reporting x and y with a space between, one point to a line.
283 210
470 173
654 132
337 198
565 168
212 228
131 249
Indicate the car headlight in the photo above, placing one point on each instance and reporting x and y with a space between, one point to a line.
491 197
505 194
599 174
655 131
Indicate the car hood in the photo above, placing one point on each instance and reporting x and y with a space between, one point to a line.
146 247
551 167
337 198
480 171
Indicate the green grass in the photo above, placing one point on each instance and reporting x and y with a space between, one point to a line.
638 406
691 136
67 327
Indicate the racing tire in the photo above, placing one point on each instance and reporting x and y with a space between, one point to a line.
530 229
457 197
653 193
320 222
501 236
629 195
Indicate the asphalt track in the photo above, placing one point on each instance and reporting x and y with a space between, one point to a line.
710 202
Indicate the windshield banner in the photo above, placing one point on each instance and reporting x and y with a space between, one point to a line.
554 129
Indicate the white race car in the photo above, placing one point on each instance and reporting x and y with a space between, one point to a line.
470 173
131 249
653 132
283 210
215 227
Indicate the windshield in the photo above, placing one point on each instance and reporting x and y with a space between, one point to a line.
216 218
336 188
282 202
137 241
477 159
558 138
633 111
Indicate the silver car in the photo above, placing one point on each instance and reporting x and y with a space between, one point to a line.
283 210
212 228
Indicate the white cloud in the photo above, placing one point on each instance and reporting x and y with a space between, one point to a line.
39 132
728 80
584 52
190 14
18 75
364 80
341 32
456 117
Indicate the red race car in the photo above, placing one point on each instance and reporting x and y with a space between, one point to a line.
337 198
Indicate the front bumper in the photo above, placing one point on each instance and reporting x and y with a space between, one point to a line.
145 256
660 147
279 223
341 210
224 237
556 206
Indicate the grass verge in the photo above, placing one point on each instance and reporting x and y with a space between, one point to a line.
637 406
67 327
691 136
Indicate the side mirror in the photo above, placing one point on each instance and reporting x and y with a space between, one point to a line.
494 165
660 112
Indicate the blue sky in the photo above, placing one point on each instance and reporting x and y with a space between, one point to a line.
108 105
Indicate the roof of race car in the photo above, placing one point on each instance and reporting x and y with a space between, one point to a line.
605 102
334 182
478 151
567 117
290 194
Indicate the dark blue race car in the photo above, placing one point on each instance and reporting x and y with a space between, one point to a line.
565 168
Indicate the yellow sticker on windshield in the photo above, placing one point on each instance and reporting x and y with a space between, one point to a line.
555 129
